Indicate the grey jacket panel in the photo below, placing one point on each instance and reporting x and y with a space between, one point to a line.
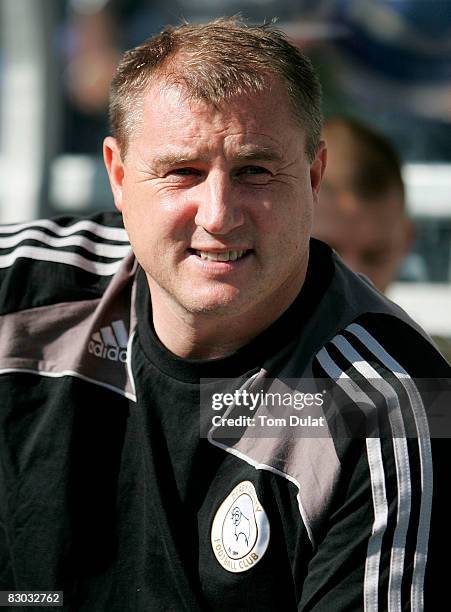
87 338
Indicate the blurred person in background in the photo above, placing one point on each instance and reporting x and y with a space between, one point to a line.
362 211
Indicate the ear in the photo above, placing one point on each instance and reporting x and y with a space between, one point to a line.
115 168
317 169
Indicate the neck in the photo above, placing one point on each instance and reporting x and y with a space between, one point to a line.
212 335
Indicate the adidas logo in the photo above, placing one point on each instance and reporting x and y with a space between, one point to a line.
110 342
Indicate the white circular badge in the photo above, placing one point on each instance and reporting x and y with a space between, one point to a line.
240 530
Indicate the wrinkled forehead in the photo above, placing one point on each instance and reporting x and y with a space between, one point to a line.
169 113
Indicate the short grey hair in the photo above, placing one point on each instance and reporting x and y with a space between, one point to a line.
215 62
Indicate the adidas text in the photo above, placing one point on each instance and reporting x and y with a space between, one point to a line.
110 342
107 352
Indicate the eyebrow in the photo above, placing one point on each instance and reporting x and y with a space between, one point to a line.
258 154
246 153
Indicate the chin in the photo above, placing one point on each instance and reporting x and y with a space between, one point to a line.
223 304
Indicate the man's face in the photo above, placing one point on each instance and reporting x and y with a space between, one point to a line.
371 237
217 202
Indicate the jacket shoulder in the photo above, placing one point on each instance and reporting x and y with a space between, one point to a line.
63 259
390 342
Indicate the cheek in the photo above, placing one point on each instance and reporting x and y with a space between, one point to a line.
297 220
285 208
158 227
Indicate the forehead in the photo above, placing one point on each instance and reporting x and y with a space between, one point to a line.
341 154
170 117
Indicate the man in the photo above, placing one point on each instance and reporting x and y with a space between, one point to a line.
362 213
108 491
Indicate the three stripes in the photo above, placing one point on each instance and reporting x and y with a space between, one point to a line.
376 466
52 238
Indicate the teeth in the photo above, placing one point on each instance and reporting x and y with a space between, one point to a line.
225 256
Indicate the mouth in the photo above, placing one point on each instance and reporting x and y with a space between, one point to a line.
222 256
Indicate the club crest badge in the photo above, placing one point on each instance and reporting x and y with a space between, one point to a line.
240 530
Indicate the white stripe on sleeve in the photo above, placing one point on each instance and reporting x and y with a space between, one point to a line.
70 259
98 248
379 495
424 443
103 231
403 479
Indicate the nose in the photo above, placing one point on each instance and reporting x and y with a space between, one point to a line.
219 210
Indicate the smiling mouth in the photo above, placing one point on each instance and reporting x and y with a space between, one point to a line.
220 255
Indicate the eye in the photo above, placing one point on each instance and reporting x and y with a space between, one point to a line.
184 172
255 175
251 170
375 258
184 176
